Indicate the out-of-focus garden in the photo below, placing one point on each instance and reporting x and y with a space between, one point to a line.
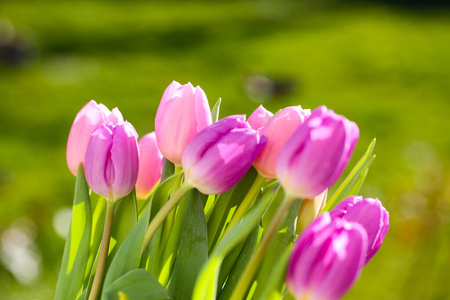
384 65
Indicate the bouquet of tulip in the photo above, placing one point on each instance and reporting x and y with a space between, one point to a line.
216 209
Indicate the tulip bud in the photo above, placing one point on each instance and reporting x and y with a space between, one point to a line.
219 156
87 119
327 259
182 113
259 117
368 212
309 210
278 130
316 154
112 160
150 165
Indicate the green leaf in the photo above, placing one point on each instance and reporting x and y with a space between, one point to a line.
239 192
98 220
76 251
248 223
215 111
216 215
162 193
168 170
283 238
272 287
353 178
240 265
193 250
272 209
136 285
229 262
206 286
125 217
150 257
128 257
170 251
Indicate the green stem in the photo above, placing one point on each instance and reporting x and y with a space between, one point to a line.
247 277
247 201
164 212
104 248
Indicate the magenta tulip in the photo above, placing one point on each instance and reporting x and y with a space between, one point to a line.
259 117
219 156
112 160
316 154
368 212
278 130
327 259
150 165
87 119
182 113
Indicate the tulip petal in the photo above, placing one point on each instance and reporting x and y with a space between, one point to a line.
87 119
150 165
125 158
98 159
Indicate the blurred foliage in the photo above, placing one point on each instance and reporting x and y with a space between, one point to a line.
385 67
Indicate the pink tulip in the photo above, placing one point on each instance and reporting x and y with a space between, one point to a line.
150 165
327 259
259 117
278 130
316 154
368 212
87 119
182 113
219 156
112 160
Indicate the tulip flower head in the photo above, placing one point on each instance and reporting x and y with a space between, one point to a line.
87 119
327 259
368 212
219 156
278 130
112 160
182 113
316 154
150 165
259 117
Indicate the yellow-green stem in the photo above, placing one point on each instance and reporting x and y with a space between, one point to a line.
247 201
164 212
104 248
247 277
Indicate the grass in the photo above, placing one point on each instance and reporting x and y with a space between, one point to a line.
386 68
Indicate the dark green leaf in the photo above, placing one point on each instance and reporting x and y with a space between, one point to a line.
128 257
125 217
76 251
240 265
272 287
206 285
283 238
170 251
217 212
239 192
136 285
193 251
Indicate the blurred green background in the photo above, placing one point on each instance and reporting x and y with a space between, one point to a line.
383 64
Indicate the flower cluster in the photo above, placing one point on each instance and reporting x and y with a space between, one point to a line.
239 163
